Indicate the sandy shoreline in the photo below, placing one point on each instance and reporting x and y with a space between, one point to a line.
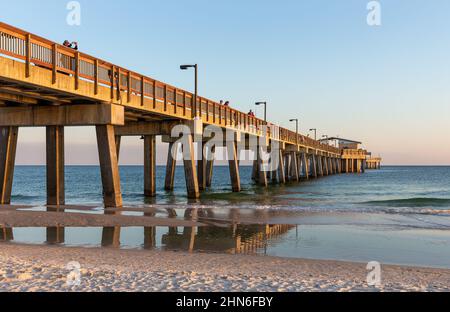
43 268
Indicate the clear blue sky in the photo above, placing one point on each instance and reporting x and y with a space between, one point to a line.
318 60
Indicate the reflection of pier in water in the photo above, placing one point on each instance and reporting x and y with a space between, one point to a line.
220 231
234 239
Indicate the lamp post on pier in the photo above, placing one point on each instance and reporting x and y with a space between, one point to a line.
265 109
315 133
194 107
296 129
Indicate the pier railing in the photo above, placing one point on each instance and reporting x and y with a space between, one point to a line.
38 51
353 153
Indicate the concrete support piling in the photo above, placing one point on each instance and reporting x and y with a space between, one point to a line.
201 167
190 170
320 165
294 167
118 140
210 166
314 166
262 176
109 167
305 165
234 166
287 166
8 145
150 165
255 169
55 165
281 176
171 166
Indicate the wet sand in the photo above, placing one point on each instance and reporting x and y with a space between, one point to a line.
43 268
13 218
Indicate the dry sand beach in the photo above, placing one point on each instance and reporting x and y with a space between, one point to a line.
43 268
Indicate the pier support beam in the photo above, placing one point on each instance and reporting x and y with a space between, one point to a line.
294 167
201 166
171 165
190 170
150 165
109 167
55 165
287 166
234 166
118 139
320 165
281 176
255 169
305 166
313 166
262 175
210 166
8 145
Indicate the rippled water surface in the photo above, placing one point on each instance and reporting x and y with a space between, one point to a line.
392 189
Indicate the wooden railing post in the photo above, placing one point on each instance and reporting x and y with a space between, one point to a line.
77 70
27 55
119 84
165 98
54 62
129 87
142 90
184 103
175 100
226 116
95 76
113 74
154 94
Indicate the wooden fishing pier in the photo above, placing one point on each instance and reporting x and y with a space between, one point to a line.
44 84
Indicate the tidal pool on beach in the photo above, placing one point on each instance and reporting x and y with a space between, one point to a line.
387 244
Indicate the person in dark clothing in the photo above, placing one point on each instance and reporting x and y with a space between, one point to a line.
227 103
73 45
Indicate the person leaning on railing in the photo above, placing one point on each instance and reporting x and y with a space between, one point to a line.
72 45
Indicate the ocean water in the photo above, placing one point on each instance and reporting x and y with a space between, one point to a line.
418 190
396 215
